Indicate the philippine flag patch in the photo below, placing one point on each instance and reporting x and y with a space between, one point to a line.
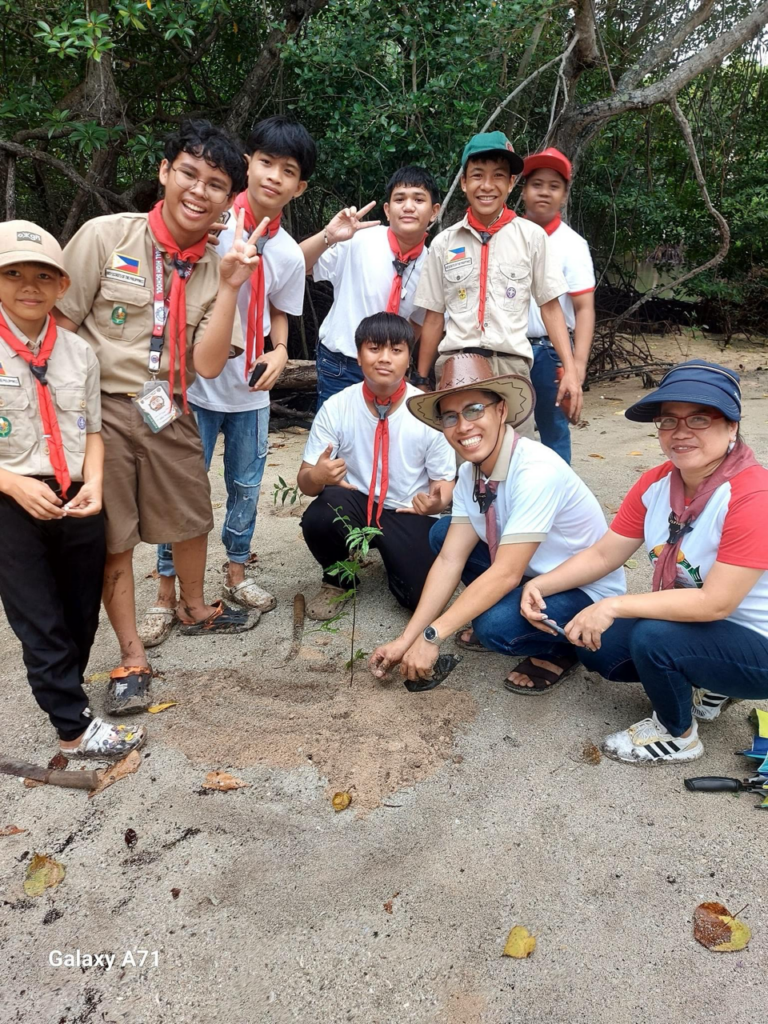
127 264
457 254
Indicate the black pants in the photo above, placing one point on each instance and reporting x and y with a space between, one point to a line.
51 575
404 544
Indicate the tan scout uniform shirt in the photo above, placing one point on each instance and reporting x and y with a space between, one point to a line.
73 380
110 261
519 265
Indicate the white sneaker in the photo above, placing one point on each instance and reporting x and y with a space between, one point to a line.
648 742
708 706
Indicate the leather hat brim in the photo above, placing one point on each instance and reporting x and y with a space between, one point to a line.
516 391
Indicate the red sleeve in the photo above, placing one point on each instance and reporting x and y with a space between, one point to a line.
744 540
630 519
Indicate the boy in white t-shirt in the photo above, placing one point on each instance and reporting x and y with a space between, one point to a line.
281 159
518 510
368 459
372 269
547 177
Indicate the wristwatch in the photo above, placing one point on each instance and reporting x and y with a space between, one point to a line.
418 380
431 635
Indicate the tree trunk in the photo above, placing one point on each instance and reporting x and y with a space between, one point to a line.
298 375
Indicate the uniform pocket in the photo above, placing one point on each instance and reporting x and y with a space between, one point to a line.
18 431
70 406
514 281
458 284
120 310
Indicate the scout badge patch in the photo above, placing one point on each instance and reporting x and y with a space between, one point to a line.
5 426
119 315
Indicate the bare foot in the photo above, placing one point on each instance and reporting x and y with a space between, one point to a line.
522 680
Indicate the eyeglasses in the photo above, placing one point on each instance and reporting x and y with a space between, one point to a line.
186 180
470 413
696 421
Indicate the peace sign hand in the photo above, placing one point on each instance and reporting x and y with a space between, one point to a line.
242 259
347 222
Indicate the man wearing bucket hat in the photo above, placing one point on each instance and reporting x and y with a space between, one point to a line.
700 639
51 466
518 510
484 270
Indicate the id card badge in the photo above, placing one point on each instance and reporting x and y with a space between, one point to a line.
156 406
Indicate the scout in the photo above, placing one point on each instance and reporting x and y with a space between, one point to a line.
372 268
547 177
131 273
367 459
484 270
281 159
51 467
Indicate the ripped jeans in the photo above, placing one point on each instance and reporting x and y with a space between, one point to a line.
245 454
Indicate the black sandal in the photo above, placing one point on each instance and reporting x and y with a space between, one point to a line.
128 690
543 679
224 620
473 644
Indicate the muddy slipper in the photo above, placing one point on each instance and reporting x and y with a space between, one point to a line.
128 690
249 595
473 644
157 626
543 679
106 741
223 620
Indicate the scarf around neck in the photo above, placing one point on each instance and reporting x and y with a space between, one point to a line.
381 441
400 263
254 340
486 233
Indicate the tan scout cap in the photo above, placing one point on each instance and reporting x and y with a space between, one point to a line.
21 241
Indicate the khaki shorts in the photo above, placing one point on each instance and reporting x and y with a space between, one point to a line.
500 364
156 488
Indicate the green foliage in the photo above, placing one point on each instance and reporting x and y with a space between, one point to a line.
284 491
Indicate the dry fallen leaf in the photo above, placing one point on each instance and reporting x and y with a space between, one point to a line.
388 906
590 753
520 943
223 781
58 761
631 563
216 504
129 764
597 456
155 709
42 873
635 453
341 801
175 893
11 830
98 677
714 928
130 838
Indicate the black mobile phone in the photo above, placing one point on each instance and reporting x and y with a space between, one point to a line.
258 371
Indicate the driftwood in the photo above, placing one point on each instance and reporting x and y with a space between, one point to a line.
298 375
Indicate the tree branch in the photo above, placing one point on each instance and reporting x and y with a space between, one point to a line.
667 47
67 171
722 223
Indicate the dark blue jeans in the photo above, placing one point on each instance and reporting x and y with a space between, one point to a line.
246 438
502 628
669 658
334 373
551 421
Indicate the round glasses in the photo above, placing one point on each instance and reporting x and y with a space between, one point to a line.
186 180
471 412
696 421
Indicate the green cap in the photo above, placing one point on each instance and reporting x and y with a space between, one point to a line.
488 143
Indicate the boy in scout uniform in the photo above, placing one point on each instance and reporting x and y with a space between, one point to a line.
51 466
483 272
157 306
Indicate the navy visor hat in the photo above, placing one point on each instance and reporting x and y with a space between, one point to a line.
697 382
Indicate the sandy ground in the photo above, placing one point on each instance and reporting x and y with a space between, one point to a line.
473 811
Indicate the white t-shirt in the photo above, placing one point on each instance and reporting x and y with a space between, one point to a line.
540 499
573 257
417 454
361 273
284 276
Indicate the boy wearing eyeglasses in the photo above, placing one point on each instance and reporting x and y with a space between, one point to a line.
158 306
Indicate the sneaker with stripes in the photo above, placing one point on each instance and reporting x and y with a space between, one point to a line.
648 742
708 706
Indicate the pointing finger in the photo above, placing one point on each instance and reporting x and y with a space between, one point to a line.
366 209
239 227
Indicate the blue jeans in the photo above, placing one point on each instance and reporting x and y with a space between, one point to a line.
246 437
669 658
334 373
551 421
502 628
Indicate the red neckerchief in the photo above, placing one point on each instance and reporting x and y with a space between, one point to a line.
381 440
682 516
39 364
254 342
184 261
400 262
486 233
553 225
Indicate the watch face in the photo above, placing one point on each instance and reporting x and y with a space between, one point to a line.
430 633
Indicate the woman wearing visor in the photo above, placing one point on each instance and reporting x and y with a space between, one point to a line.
700 639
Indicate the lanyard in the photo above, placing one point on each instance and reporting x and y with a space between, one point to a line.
160 314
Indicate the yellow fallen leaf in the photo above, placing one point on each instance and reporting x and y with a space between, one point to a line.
216 504
635 453
597 456
341 801
98 677
11 830
715 928
631 563
155 709
107 776
42 873
520 943
619 413
223 781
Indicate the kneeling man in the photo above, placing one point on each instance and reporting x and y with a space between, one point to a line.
369 460
518 509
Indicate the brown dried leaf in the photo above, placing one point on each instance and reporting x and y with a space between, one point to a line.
32 783
715 928
42 873
341 801
595 456
590 753
520 943
388 906
635 453
175 893
130 838
129 764
223 781
11 830
59 762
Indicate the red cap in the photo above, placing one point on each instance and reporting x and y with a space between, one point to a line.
551 158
